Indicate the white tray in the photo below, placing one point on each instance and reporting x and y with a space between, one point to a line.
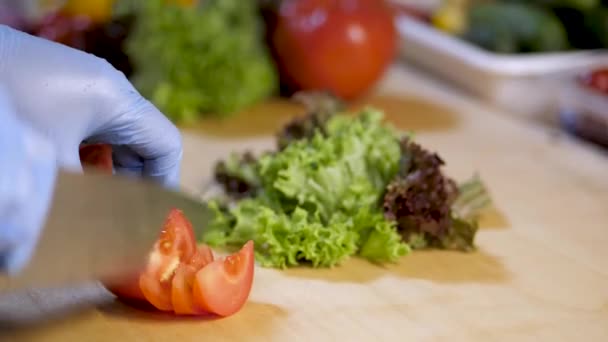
527 85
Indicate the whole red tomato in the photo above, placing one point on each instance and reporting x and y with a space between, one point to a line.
341 46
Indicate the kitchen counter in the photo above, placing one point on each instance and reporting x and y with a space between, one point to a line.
539 275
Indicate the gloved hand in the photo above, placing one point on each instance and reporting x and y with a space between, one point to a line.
71 96
27 174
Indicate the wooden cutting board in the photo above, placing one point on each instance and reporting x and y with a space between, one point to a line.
540 273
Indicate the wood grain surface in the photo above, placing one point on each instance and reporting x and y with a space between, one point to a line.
540 273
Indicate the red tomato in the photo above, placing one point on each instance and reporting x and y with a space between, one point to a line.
176 245
181 291
180 277
97 156
183 281
128 289
202 257
341 46
189 281
223 286
598 80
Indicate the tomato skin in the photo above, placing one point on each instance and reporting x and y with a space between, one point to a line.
98 156
222 287
341 46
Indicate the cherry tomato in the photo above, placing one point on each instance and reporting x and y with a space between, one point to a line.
223 286
98 156
176 245
341 46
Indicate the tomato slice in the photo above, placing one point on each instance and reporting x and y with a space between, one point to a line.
158 293
202 257
127 289
176 245
223 286
181 291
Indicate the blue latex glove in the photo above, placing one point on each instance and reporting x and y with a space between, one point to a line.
60 97
71 96
27 174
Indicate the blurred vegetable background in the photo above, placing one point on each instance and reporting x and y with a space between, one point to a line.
199 59
196 59
524 26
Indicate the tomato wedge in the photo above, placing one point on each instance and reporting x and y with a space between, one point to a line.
179 276
176 245
223 286
202 257
127 289
183 281
181 291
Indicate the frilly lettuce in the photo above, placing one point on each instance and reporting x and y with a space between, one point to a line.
318 202
340 186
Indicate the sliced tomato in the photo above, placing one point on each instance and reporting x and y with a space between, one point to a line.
127 289
223 286
176 245
183 280
158 293
202 257
181 291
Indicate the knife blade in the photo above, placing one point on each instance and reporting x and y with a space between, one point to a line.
102 227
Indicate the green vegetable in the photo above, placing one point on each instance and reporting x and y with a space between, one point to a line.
596 23
514 28
318 198
473 198
429 208
571 4
322 106
238 175
206 60
351 185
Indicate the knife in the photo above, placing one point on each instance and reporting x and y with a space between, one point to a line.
102 227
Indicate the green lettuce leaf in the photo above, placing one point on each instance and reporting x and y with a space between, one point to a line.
209 59
318 201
